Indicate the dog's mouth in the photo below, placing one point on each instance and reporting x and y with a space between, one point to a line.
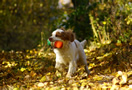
55 44
51 39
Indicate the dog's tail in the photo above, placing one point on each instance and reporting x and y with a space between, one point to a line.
83 43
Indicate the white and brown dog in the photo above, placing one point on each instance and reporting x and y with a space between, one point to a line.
71 53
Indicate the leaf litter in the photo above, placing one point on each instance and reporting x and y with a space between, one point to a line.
31 70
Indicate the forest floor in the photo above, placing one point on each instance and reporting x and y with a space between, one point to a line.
110 66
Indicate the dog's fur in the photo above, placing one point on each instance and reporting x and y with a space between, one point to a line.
71 52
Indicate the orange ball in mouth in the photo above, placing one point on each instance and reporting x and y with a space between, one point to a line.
58 44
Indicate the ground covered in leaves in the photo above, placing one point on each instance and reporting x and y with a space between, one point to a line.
110 67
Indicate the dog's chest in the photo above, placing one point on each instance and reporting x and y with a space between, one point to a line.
64 56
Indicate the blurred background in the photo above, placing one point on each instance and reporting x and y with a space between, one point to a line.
26 24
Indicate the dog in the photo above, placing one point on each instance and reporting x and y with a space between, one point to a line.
71 53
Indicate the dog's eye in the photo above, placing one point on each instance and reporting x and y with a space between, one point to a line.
58 34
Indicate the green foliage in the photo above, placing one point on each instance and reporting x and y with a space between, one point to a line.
109 20
22 22
104 20
78 20
25 24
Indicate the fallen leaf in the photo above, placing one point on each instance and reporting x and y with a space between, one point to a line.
22 69
43 79
40 84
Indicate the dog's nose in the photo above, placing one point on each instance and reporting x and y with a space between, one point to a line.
50 39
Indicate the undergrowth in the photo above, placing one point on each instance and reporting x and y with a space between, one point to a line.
33 69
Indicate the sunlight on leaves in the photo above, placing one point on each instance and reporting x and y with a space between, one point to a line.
104 22
15 88
43 79
22 69
40 84
58 74
9 64
41 4
97 78
91 65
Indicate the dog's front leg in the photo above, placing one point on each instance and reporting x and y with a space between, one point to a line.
72 69
59 66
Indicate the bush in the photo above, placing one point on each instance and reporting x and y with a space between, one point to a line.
103 20
23 21
25 24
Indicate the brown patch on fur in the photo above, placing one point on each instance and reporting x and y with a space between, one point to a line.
66 35
58 34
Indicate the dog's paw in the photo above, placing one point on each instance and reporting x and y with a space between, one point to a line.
68 76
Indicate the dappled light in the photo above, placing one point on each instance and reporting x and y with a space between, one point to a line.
27 61
34 70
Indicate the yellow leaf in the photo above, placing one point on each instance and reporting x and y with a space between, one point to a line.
40 84
15 88
48 74
86 51
22 69
27 50
31 51
35 52
97 78
128 22
43 79
84 84
28 62
104 22
1 11
91 64
32 73
41 4
27 56
75 84
75 88
58 74
100 58
8 64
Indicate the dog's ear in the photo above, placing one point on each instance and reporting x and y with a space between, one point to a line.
67 35
70 35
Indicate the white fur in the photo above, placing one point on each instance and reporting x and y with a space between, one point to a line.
54 35
69 54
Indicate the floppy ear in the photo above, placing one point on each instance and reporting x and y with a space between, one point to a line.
67 35
70 35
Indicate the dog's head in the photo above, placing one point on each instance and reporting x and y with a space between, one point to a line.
62 35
